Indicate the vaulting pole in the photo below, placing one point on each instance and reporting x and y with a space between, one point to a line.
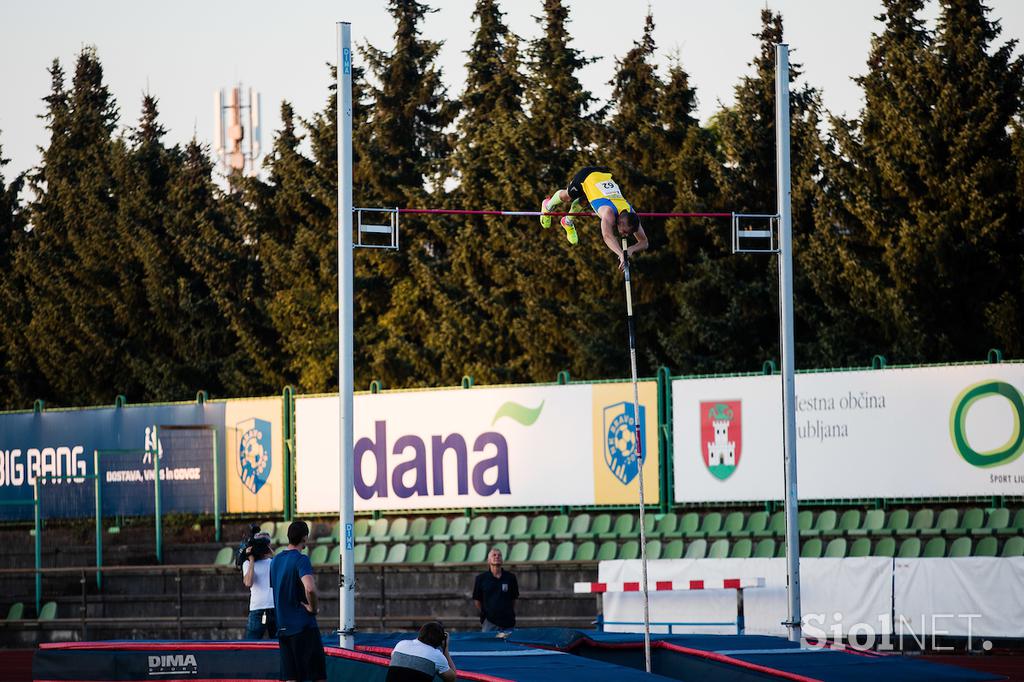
347 567
639 458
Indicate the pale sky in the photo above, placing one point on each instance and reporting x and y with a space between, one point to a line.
183 51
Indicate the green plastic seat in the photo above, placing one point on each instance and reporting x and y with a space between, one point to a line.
780 550
498 530
48 611
16 611
987 546
860 547
418 529
377 554
804 521
541 551
826 522
910 548
361 530
281 533
667 527
517 528
689 525
477 529
557 528
874 522
630 550
924 520
331 538
360 552
398 530
607 551
564 551
579 528
654 549
587 551
1013 546
520 552
836 548
765 548
538 529
710 524
225 557
437 553
1015 528
650 523
935 548
945 524
887 547
457 528
898 523
457 553
335 556
972 520
696 549
396 553
437 526
318 555
998 519
625 526
811 549
601 527
417 553
742 549
719 549
961 547
268 527
477 553
757 523
673 549
776 526
850 520
732 525
376 532
501 547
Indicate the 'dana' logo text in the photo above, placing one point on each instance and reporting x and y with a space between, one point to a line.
995 420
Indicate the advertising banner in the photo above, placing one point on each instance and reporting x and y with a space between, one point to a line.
482 447
254 460
921 432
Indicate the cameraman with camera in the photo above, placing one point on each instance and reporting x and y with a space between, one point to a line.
255 558
418 660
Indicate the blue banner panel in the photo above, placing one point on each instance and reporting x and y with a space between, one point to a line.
63 444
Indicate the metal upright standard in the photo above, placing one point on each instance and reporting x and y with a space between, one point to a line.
347 569
638 452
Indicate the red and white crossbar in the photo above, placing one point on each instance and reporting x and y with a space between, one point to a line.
670 585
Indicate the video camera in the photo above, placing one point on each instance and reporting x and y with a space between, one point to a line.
258 541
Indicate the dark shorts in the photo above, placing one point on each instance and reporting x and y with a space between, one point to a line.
575 188
302 656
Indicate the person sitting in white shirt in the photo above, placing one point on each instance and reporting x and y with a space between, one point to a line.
418 660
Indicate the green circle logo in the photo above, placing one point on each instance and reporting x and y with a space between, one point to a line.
1005 453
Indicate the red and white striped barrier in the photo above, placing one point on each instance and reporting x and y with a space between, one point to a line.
670 585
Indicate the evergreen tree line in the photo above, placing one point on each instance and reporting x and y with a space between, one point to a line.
127 270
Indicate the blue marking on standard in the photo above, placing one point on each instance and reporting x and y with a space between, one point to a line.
346 60
349 543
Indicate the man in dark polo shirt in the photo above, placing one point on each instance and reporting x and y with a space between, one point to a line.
295 603
494 594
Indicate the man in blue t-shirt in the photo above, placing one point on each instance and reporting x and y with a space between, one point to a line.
295 603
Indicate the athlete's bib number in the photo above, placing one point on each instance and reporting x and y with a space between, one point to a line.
609 189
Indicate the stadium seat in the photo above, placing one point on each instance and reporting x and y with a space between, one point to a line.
601 527
998 519
860 547
765 548
961 547
579 528
360 552
586 551
874 521
335 556
1013 546
396 553
377 531
607 551
457 527
541 551
16 611
538 529
558 529
836 548
630 550
331 538
398 531
973 519
625 527
377 554
910 548
935 548
719 549
757 523
361 530
498 530
48 611
477 553
668 526
437 552
225 557
318 555
898 523
1015 528
500 546
780 550
477 529
281 534
654 549
986 546
689 525
564 551
804 521
673 549
850 520
945 523
742 549
418 529
732 525
710 524
826 522
417 553
519 552
456 553
776 526
437 526
924 520
887 547
517 527
696 549
268 527
811 549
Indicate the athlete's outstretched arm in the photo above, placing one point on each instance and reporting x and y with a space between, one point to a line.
641 241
